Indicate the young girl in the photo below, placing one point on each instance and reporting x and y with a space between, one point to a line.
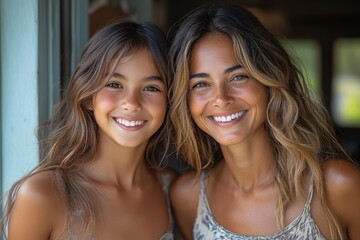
98 179
242 111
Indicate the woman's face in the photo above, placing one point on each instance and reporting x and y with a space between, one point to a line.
224 100
131 107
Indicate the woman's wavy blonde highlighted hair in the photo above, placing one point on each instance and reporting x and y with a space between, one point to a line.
297 124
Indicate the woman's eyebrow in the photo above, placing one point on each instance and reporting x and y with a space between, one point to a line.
204 75
199 75
231 69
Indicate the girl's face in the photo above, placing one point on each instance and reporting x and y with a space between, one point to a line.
224 100
131 107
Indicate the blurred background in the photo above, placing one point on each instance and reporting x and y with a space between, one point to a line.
41 40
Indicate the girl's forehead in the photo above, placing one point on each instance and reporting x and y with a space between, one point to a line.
140 63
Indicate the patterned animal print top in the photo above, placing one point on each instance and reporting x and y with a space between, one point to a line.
207 228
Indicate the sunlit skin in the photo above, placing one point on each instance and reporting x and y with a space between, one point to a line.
225 101
131 107
230 106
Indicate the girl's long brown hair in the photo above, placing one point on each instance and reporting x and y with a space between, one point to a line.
73 132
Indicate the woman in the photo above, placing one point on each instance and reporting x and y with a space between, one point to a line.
267 164
100 178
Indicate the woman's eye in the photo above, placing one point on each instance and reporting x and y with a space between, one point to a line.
152 89
113 85
240 78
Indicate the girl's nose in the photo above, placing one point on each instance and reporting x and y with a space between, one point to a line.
131 101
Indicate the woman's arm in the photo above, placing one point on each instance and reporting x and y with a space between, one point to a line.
184 197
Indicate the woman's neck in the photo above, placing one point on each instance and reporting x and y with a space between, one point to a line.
250 163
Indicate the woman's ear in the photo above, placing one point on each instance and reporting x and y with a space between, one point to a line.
89 104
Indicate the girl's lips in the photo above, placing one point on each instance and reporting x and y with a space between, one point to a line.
127 123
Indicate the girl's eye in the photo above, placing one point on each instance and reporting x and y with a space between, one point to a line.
113 85
199 85
152 89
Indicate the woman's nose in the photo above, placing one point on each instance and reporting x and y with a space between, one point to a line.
223 96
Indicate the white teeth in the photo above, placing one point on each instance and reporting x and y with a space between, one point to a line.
129 123
229 117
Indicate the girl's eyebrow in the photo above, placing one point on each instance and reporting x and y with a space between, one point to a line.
117 75
205 75
154 78
150 78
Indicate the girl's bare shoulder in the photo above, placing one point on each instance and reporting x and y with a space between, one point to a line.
37 208
41 186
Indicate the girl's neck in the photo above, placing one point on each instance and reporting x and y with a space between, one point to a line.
117 165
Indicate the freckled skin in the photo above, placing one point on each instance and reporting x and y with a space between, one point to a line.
130 195
219 86
131 95
240 189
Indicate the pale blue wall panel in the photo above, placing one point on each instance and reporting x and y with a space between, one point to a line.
19 79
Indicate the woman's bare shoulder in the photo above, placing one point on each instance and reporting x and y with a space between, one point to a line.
184 195
187 181
169 172
185 189
342 186
341 175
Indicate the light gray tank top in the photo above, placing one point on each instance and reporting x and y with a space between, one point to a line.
169 235
207 228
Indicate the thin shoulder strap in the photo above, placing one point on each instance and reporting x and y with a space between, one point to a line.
165 182
310 194
202 183
202 196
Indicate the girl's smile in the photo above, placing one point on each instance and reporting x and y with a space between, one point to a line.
131 107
